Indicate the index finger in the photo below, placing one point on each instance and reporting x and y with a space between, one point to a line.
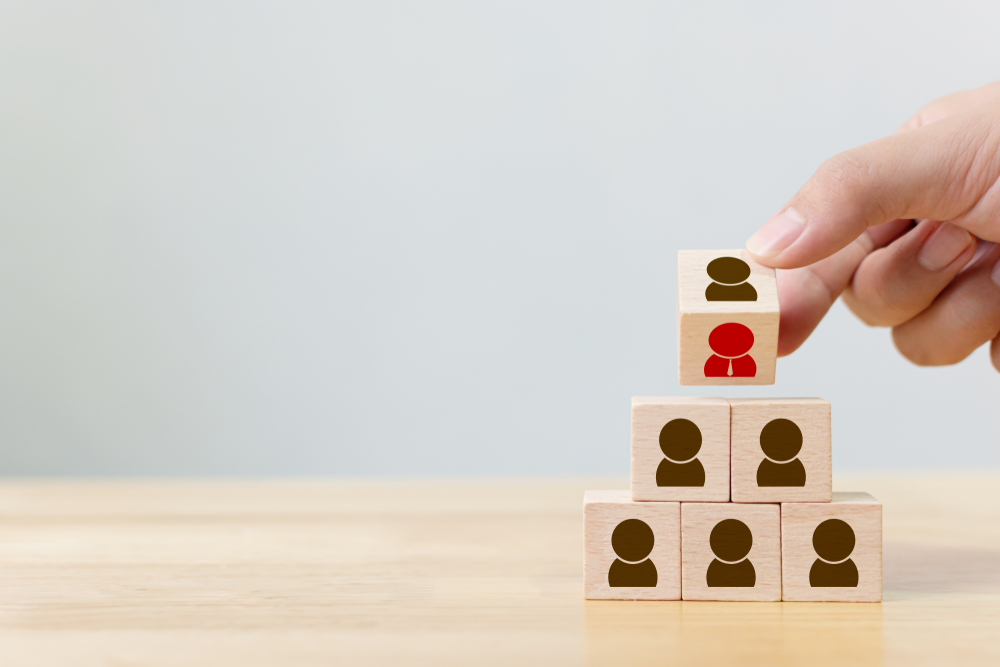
942 171
807 293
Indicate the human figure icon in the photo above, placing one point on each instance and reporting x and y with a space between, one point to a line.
781 441
730 342
833 541
729 280
632 541
731 540
680 441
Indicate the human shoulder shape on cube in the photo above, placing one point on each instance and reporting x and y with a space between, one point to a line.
832 551
680 449
728 314
781 450
632 550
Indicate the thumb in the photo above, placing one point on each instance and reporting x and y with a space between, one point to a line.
946 170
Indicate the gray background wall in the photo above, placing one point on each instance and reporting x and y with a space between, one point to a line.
429 238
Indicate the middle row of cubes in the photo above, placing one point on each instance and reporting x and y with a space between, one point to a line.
744 450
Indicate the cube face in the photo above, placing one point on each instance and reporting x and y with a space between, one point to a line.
727 331
731 552
780 450
632 551
680 449
832 552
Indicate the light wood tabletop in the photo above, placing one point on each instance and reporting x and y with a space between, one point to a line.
447 573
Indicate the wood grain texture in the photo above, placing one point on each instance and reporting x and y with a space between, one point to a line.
697 318
697 522
798 524
154 573
812 416
711 416
603 511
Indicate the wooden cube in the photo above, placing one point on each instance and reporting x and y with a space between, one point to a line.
680 449
832 551
730 551
631 551
727 319
780 449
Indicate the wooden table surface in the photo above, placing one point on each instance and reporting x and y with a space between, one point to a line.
446 573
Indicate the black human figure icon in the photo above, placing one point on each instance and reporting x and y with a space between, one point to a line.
833 541
731 540
632 541
781 441
680 441
729 275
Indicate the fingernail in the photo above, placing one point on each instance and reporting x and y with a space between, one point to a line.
943 247
995 273
777 234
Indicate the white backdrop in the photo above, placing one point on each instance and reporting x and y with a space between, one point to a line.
430 238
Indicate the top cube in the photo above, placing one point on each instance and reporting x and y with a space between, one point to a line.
727 318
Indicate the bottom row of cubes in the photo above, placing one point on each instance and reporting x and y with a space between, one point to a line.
732 551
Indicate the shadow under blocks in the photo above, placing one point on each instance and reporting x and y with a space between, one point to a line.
731 499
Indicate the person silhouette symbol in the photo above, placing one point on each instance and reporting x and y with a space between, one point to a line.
731 540
729 280
680 441
632 541
833 541
781 441
730 342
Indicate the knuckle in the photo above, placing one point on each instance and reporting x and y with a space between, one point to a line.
844 171
862 309
958 329
976 157
914 350
847 181
875 297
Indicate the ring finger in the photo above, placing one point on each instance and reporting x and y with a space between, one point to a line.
963 317
895 283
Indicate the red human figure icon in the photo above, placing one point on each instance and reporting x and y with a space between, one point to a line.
730 342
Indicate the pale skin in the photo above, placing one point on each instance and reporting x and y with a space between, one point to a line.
906 230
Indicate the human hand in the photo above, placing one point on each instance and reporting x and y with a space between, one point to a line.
868 226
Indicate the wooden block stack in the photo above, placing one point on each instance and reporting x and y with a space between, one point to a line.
731 499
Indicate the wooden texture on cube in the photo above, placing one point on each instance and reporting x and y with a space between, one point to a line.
697 317
749 416
603 511
649 416
697 522
799 522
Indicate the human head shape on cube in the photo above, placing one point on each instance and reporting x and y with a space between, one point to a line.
731 340
781 440
833 540
632 540
680 440
731 540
